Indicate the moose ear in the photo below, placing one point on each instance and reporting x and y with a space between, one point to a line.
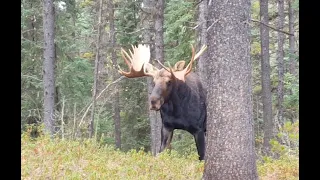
179 66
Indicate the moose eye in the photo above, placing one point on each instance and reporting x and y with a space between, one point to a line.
169 83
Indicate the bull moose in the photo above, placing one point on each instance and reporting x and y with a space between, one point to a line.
177 93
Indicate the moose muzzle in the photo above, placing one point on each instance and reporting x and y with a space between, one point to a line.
155 103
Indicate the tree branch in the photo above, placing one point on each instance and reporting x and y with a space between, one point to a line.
84 115
254 20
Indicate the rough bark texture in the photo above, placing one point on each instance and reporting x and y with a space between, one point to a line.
96 67
202 29
48 65
148 23
291 39
115 76
265 76
155 125
280 60
230 151
159 55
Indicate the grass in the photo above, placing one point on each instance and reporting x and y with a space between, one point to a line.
44 158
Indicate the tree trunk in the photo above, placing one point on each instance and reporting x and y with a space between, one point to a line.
102 70
115 76
291 39
265 77
280 60
230 153
159 55
155 124
148 23
96 67
202 21
48 65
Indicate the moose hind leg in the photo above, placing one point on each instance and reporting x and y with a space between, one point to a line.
200 143
166 137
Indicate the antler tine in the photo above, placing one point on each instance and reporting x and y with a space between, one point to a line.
166 68
150 68
127 55
189 67
139 57
133 47
203 48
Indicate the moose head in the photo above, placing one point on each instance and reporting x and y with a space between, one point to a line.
165 79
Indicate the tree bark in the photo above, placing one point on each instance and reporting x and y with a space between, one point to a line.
148 23
280 60
265 77
115 76
159 55
104 39
49 65
230 153
96 67
291 39
202 21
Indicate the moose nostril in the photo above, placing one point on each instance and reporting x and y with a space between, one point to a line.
153 102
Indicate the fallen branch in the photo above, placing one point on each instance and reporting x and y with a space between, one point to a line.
254 20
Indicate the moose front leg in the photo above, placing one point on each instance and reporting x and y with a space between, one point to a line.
166 137
199 137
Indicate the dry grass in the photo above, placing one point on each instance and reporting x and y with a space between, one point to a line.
64 159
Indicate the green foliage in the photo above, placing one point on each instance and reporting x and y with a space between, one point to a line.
295 5
75 80
183 142
136 126
178 35
284 168
31 60
255 48
75 49
127 23
255 9
88 159
287 165
291 100
105 128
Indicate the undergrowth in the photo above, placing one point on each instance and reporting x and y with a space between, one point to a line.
45 158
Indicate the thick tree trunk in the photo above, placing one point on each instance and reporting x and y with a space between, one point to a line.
115 76
202 29
291 39
155 124
48 65
230 153
265 76
159 55
148 23
280 60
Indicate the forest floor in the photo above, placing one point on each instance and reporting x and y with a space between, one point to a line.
43 158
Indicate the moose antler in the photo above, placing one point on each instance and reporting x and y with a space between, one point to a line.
139 62
180 64
182 73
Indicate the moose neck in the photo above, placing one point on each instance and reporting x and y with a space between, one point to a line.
178 96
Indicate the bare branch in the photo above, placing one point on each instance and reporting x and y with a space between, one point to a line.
85 113
257 21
